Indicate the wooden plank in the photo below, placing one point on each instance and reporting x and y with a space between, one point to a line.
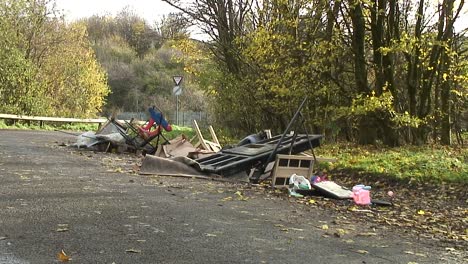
200 136
213 135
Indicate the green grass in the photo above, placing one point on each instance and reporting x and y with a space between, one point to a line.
48 126
179 130
426 163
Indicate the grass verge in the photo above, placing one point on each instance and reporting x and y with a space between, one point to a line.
430 163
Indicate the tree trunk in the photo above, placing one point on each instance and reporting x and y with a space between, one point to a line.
446 129
367 128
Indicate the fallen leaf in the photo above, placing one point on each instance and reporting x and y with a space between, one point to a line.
325 227
133 250
421 212
339 232
362 251
312 201
296 229
229 198
62 256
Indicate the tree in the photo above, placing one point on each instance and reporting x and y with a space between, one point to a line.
47 66
173 27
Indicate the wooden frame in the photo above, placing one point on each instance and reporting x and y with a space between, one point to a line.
206 144
286 165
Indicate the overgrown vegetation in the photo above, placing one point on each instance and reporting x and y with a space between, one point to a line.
47 67
391 72
141 59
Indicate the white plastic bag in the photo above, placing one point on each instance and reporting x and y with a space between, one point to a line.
298 182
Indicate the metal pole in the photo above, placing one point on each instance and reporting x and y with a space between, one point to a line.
177 109
258 172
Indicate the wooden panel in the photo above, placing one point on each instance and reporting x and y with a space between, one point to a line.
287 165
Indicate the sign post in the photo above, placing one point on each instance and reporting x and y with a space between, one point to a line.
177 90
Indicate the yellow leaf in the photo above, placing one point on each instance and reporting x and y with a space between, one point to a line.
421 212
229 198
312 201
325 227
62 256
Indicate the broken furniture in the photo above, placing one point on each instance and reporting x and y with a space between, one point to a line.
177 147
287 165
206 144
330 188
146 137
258 155
243 158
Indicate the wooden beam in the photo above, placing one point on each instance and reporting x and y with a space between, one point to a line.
213 135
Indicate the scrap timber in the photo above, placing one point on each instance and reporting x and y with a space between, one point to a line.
243 158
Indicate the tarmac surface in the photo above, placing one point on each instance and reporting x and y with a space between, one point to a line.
55 198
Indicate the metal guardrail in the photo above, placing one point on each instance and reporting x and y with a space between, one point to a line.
43 119
53 119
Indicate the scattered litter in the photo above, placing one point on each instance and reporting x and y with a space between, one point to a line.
62 256
253 138
153 165
332 189
178 147
381 202
133 250
297 182
361 194
362 251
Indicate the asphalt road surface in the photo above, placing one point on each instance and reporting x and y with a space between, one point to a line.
55 198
